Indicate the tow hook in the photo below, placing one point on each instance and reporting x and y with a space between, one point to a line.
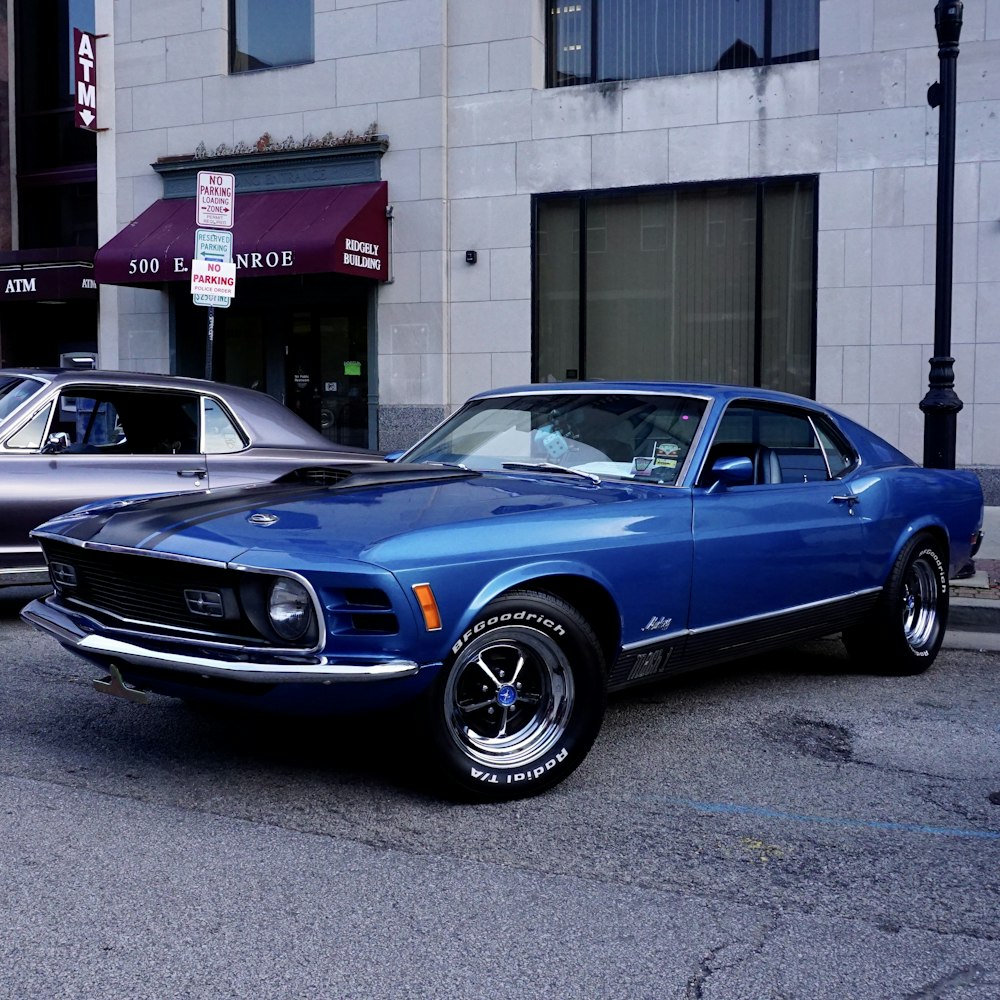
114 685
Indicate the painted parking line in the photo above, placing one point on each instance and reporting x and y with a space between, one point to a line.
732 809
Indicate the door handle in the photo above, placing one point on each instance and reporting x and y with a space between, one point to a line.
192 473
850 499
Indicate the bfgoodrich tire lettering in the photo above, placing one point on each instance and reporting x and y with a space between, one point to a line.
519 701
904 632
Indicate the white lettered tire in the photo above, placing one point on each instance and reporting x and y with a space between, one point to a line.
519 701
904 631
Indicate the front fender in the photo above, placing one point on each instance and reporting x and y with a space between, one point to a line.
459 608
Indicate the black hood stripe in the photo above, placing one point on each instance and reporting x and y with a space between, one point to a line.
145 524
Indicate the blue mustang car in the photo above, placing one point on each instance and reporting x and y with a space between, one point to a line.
543 546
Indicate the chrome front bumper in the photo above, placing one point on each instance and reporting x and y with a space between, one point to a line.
244 664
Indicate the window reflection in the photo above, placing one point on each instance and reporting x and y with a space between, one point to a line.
599 40
264 34
712 283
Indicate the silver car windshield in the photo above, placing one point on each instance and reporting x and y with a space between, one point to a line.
14 390
611 435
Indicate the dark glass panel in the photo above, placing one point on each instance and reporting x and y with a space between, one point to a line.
794 31
788 290
265 34
557 256
51 141
60 215
570 43
602 40
671 285
644 38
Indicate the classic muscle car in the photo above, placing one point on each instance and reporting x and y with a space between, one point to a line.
72 435
541 547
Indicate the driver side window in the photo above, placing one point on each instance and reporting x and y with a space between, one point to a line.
781 443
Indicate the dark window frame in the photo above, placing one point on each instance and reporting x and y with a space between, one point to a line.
760 184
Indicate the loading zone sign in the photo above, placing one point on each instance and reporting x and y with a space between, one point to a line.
216 199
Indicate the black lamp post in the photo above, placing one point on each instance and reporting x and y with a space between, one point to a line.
941 404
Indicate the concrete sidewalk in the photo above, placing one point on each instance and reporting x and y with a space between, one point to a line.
974 619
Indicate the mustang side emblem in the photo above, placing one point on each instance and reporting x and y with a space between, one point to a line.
259 517
657 624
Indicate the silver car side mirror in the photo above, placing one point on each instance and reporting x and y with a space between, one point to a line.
57 441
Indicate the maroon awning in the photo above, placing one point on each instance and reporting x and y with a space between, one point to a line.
55 274
308 231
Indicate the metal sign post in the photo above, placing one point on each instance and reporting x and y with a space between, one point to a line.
210 342
214 284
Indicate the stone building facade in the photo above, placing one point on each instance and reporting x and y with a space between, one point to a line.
467 132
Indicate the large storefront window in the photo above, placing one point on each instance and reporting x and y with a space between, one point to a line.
263 34
708 284
597 40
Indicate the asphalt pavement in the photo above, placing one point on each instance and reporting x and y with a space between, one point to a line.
975 602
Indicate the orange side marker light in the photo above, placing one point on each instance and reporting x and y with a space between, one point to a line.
428 606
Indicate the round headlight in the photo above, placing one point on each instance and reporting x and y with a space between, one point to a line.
290 609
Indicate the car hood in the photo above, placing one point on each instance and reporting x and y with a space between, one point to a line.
376 510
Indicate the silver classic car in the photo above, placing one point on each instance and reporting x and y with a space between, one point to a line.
69 437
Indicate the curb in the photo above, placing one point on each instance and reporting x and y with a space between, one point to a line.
974 614
978 642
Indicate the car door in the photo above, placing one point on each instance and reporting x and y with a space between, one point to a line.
88 444
789 540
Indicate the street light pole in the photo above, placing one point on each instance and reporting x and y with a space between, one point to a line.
941 404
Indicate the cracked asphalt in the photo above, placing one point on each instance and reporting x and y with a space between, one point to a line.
780 829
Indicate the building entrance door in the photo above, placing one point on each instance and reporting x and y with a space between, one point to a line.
306 345
326 373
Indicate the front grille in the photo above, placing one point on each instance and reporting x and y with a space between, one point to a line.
136 588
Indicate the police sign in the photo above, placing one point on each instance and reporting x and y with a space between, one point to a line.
213 278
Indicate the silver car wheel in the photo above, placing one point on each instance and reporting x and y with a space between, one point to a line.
920 603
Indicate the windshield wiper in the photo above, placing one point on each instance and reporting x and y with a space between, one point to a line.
552 467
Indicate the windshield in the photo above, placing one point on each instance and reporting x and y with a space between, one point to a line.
612 435
14 390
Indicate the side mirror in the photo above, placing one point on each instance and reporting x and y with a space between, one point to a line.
734 471
394 456
57 441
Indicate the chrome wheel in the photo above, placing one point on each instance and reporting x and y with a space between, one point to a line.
509 698
902 633
920 603
519 701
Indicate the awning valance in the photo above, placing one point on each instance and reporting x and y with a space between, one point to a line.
306 231
56 274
